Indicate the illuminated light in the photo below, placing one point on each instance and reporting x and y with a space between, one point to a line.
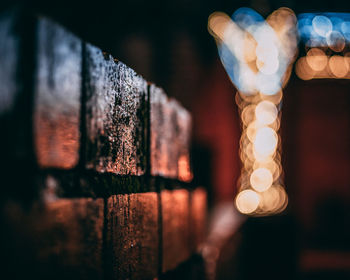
322 25
266 112
271 165
275 98
347 59
251 131
339 66
246 18
266 50
249 151
268 66
282 20
249 48
257 57
247 201
270 200
245 75
336 22
261 179
268 84
335 41
217 24
303 70
345 29
253 127
287 75
265 141
317 59
283 199
248 114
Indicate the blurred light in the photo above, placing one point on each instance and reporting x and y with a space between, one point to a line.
257 56
303 70
248 114
335 41
317 59
247 201
265 142
322 25
268 84
266 112
315 28
261 179
329 43
339 66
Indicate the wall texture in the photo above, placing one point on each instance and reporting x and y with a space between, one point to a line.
96 174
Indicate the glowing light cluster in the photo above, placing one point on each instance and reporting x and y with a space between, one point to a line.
326 37
325 29
257 55
318 65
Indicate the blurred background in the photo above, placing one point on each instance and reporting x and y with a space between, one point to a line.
168 43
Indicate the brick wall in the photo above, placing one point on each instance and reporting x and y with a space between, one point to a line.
95 163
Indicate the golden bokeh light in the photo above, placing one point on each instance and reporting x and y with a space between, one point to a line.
339 66
265 142
303 70
261 179
316 59
257 56
247 201
266 112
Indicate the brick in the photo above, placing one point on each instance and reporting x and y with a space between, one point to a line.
79 223
132 235
183 127
62 239
57 96
175 228
116 116
170 137
198 206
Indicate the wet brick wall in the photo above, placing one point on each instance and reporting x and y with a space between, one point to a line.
95 167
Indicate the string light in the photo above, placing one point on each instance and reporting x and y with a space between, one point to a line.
257 55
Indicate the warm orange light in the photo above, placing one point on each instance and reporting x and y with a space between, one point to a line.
265 142
261 179
266 112
339 66
184 168
217 24
263 54
247 201
303 70
335 41
248 114
316 59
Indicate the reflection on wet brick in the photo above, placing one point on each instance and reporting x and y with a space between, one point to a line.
170 137
182 129
61 240
79 223
198 217
133 235
57 96
175 227
116 117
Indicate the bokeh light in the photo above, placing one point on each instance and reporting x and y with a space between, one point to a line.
326 38
261 179
257 55
247 201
